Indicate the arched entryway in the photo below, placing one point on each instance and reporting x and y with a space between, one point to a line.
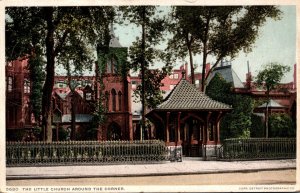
191 132
114 132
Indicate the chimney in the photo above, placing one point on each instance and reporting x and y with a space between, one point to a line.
248 77
207 68
183 75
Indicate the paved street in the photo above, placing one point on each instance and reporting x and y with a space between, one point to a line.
188 166
192 171
282 177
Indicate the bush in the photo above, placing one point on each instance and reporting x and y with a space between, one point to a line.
257 127
15 135
281 125
237 123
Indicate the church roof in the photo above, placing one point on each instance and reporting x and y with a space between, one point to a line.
186 96
228 74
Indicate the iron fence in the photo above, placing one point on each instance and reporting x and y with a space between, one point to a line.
84 152
258 148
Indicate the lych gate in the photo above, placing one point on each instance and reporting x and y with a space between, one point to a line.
189 119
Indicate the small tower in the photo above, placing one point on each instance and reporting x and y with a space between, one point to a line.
115 88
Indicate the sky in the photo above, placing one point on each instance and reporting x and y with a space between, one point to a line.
276 43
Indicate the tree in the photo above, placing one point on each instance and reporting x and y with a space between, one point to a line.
269 77
37 76
223 31
153 94
142 52
61 32
237 123
183 41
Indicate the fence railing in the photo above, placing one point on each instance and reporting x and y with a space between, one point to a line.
257 148
84 152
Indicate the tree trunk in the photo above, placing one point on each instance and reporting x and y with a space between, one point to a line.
203 81
143 74
49 82
191 60
73 117
192 66
267 114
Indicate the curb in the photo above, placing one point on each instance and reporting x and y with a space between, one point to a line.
24 177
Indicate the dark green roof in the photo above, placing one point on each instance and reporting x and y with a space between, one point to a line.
185 96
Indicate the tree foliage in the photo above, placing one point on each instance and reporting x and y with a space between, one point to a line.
184 41
269 78
64 33
37 76
223 31
142 53
257 127
237 123
281 125
153 78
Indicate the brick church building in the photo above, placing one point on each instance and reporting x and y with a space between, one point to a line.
117 92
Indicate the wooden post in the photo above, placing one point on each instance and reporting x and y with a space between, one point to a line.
218 126
218 132
214 132
207 125
178 127
167 128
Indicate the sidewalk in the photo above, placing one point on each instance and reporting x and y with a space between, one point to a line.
187 166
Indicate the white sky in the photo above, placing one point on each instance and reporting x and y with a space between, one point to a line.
276 43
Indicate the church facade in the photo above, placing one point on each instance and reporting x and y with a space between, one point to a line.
110 87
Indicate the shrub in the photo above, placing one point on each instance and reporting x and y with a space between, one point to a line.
281 125
257 127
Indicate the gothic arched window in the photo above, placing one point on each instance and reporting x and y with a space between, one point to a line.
114 102
9 84
26 86
107 101
111 66
120 100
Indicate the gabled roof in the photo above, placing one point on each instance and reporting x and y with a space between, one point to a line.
186 96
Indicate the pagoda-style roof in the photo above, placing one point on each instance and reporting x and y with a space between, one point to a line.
185 96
